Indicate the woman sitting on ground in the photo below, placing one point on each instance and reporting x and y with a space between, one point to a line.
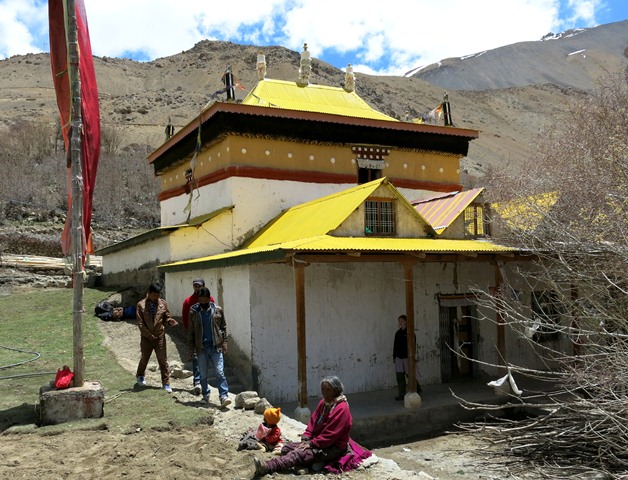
325 439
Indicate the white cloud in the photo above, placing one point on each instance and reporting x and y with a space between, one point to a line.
21 26
583 10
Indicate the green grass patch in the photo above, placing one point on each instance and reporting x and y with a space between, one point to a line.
41 321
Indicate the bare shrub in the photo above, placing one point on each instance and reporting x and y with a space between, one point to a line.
35 140
110 138
126 193
582 248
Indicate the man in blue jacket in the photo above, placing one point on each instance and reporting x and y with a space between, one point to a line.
207 338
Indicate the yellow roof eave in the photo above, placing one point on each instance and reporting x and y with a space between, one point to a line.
329 244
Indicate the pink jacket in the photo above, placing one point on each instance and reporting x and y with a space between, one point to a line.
329 426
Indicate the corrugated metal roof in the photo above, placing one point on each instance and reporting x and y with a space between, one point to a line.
321 216
137 240
442 210
311 98
330 244
160 231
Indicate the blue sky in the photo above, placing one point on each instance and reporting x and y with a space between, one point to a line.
377 37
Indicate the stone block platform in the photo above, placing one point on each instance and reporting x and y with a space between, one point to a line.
76 403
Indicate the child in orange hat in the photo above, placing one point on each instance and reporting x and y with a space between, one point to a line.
268 433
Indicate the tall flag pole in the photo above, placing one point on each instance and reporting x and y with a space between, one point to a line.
77 97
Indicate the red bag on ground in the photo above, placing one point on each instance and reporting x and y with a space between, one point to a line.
64 377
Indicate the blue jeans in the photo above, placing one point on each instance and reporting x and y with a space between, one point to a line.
211 354
195 371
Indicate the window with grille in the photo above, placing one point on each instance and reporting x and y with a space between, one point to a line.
476 221
379 217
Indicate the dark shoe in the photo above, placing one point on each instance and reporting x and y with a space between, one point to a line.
197 389
260 467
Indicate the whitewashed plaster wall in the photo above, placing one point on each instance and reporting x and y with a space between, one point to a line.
230 289
234 291
178 287
204 200
212 237
455 230
351 318
350 325
257 201
132 258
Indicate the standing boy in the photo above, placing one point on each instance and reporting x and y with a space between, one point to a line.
400 357
207 337
197 284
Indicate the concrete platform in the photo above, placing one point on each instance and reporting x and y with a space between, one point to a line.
379 420
76 403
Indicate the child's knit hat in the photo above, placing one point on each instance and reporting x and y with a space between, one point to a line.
272 415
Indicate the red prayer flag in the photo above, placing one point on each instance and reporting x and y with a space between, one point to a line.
90 134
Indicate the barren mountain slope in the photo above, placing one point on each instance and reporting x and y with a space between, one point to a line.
571 59
137 99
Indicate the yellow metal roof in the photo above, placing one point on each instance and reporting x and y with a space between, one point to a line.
328 244
311 98
321 216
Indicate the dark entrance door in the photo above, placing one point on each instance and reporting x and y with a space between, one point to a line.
457 339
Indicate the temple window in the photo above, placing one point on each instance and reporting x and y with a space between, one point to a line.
370 161
379 217
476 221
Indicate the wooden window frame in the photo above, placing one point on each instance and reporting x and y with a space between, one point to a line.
476 221
381 222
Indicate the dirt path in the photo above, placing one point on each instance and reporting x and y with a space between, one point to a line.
207 451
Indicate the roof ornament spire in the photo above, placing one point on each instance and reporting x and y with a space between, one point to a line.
261 66
169 129
447 111
305 68
229 81
349 79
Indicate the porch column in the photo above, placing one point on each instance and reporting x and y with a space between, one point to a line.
299 284
501 325
408 268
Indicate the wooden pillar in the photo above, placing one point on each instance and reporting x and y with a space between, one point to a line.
501 324
408 268
77 232
299 285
